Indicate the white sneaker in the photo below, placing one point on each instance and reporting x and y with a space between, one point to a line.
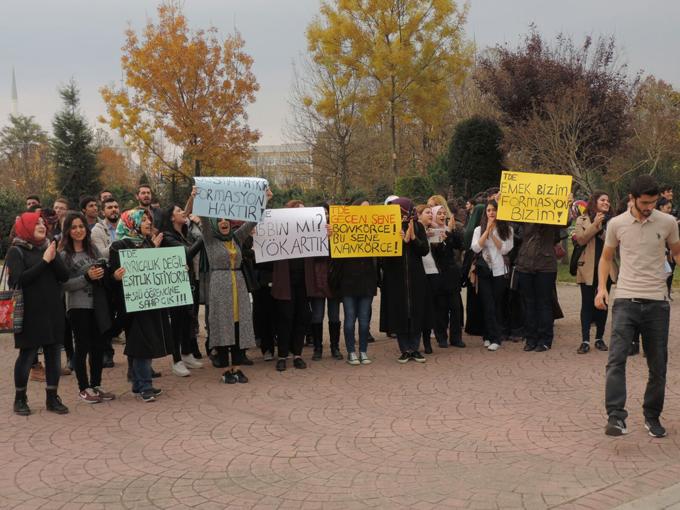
268 356
352 359
363 357
487 343
191 362
494 347
180 370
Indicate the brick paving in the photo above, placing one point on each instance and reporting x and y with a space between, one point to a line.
468 429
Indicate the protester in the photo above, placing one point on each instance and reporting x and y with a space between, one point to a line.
144 196
89 207
60 208
404 281
424 213
492 241
87 305
146 332
590 232
34 267
175 229
641 304
474 324
32 201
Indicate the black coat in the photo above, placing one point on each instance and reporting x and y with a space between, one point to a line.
446 258
353 277
147 333
404 285
40 282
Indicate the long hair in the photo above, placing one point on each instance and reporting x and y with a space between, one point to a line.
166 224
591 208
66 242
502 227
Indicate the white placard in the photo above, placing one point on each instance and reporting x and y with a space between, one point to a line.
291 234
233 198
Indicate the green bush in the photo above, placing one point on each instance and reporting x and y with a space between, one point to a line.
11 205
416 187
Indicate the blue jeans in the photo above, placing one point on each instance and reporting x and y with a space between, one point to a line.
630 318
141 375
357 307
536 290
318 310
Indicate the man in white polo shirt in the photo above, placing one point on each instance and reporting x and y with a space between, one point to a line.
642 302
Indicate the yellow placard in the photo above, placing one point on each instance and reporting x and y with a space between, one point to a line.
365 231
534 198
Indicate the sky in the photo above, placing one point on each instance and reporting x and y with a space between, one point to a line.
48 42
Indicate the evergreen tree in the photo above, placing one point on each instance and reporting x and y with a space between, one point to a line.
73 149
475 157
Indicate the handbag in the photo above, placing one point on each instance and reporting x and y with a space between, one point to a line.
575 257
11 306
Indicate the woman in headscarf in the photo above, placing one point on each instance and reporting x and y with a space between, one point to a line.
405 283
147 332
230 315
34 268
474 325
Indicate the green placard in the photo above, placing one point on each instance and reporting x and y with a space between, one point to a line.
155 278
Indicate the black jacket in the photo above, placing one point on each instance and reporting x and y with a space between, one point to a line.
446 258
353 277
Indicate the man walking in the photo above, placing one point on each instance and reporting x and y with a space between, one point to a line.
642 303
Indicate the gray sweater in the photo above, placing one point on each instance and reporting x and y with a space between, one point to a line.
79 291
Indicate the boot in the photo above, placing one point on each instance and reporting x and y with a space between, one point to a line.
53 402
317 335
21 404
427 344
334 333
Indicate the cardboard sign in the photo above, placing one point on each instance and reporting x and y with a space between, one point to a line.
291 234
155 278
365 231
534 198
234 198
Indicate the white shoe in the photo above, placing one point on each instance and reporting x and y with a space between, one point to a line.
487 343
494 347
363 357
180 370
191 362
352 359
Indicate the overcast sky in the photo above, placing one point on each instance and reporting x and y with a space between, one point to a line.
50 41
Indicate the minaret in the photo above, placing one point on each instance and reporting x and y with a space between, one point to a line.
15 97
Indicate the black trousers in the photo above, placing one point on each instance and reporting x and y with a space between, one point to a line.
293 316
448 307
492 295
25 360
590 314
264 318
89 341
181 321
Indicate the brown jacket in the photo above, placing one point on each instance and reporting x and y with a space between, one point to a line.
316 278
585 234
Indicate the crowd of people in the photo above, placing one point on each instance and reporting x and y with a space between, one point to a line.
67 263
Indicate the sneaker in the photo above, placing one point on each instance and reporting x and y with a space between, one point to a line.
653 425
104 395
190 361
364 359
542 348
180 370
156 391
88 395
281 365
584 348
600 345
299 363
494 347
229 377
458 343
353 359
487 343
416 356
615 427
404 358
268 356
240 377
148 396
38 372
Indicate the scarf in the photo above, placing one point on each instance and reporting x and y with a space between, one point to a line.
24 227
435 210
214 226
473 222
130 226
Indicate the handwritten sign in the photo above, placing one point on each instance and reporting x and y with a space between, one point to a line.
291 234
365 231
155 278
534 198
234 198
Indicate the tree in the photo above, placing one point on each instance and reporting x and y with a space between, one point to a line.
406 51
416 187
188 86
475 158
73 149
566 108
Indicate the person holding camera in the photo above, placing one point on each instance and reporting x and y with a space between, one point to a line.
589 234
87 305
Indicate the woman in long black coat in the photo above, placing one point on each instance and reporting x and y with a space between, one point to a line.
404 284
147 333
34 268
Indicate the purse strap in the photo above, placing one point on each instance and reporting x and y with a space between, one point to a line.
4 284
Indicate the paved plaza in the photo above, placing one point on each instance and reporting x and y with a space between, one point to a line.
468 429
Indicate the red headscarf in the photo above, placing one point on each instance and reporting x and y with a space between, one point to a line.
24 227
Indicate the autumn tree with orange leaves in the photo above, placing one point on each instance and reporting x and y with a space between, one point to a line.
187 87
